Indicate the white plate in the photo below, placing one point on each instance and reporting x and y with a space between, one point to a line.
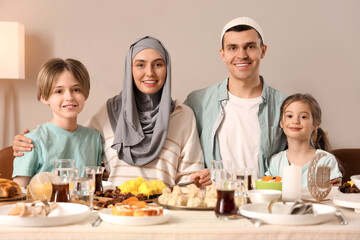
106 216
66 213
348 200
280 214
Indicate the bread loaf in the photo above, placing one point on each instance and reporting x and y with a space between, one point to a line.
9 188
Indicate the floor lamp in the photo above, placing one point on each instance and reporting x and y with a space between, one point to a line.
12 66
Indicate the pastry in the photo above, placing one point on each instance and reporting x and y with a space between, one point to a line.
9 188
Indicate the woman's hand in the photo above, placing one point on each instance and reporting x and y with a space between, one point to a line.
335 182
201 178
22 143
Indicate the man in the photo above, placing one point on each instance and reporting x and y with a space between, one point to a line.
238 119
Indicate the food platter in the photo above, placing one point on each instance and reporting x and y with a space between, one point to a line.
66 213
103 202
170 207
15 197
280 214
106 215
348 200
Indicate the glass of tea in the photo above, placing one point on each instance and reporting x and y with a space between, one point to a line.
225 208
249 178
64 172
98 171
60 189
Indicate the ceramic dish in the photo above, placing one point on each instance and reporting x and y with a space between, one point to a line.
106 215
280 216
268 185
66 213
356 180
348 200
263 195
15 197
107 185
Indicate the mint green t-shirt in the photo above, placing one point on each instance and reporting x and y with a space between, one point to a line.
52 142
280 159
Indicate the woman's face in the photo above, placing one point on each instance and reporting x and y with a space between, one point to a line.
149 71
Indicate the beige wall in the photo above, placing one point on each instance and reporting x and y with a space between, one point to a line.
313 47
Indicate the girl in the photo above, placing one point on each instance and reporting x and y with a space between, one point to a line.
300 119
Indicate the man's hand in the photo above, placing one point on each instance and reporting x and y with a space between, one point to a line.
22 143
201 178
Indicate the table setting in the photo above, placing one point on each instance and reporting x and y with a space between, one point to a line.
299 217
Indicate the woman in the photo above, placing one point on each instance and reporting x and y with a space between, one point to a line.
145 133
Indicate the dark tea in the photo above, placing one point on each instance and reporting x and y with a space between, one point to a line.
98 182
249 182
225 205
60 193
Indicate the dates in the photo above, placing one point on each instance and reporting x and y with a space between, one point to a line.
112 196
347 188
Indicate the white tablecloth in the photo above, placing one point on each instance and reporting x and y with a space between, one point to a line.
193 225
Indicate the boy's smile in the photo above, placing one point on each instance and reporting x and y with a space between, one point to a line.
66 100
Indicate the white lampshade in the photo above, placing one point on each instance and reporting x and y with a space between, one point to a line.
12 50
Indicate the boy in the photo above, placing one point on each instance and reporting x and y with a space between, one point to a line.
64 86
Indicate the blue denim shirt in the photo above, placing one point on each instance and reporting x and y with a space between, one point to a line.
208 106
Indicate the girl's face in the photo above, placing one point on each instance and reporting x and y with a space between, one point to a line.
297 121
149 71
66 99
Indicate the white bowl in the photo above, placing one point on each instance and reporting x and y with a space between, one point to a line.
107 185
356 180
263 195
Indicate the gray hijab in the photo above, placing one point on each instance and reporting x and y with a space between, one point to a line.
140 121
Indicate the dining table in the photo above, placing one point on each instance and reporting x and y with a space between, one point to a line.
193 224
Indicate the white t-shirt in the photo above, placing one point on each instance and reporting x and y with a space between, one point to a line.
239 133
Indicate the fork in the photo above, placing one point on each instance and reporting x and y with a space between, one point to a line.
341 217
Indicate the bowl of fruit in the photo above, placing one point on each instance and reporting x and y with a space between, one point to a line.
269 182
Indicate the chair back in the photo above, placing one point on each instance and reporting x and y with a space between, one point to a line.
349 159
6 162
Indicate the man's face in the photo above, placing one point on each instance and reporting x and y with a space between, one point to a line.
242 54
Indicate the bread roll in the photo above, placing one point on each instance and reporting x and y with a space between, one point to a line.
9 188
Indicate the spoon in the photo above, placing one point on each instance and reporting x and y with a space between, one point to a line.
341 217
301 207
96 222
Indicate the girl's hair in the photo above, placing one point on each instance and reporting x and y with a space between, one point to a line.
52 68
322 141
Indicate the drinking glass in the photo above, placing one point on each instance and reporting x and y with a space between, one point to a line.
241 188
64 172
216 165
98 171
225 186
60 189
64 163
82 187
249 179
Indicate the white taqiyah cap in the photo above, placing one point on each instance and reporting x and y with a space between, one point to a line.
242 21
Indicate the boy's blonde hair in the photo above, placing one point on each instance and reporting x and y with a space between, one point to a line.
52 68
